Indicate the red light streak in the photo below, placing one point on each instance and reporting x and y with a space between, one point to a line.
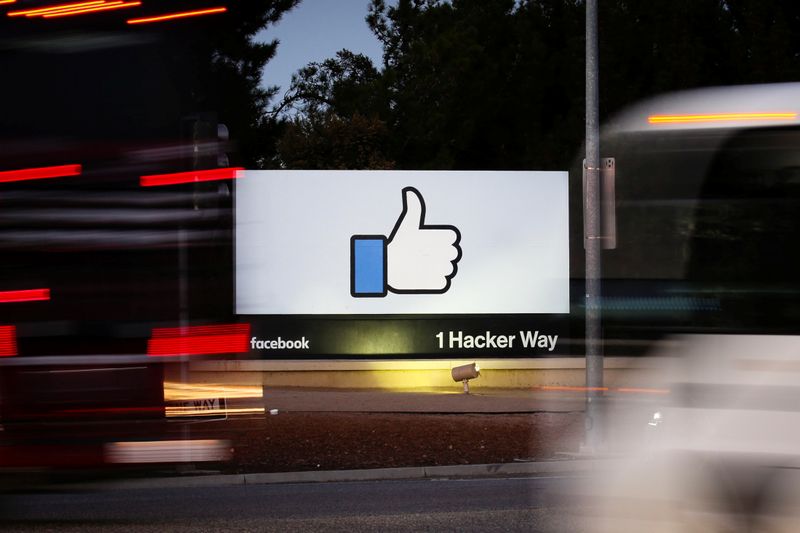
43 13
116 410
183 14
77 7
27 295
2 2
8 341
199 340
39 173
630 390
641 390
57 7
575 389
192 176
103 7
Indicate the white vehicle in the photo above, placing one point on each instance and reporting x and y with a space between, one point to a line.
707 203
708 213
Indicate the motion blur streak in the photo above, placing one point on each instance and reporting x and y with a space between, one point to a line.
103 7
575 389
718 117
168 451
109 410
183 14
630 390
175 390
642 390
719 454
212 399
192 176
56 7
39 173
8 341
185 411
199 340
27 295
2 2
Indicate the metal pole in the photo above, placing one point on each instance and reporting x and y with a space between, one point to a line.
591 213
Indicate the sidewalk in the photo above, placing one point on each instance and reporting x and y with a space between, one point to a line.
422 401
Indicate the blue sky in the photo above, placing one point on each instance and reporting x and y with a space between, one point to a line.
315 30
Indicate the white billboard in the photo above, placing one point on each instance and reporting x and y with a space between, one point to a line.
401 242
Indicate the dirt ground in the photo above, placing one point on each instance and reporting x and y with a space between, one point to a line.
296 441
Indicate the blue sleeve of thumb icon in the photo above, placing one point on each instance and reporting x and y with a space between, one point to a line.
368 266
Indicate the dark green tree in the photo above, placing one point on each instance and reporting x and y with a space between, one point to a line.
767 43
346 84
462 84
221 70
499 84
337 108
329 141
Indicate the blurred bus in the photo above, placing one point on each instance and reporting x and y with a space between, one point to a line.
109 282
707 213
707 196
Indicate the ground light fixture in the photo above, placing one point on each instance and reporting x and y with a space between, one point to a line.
465 373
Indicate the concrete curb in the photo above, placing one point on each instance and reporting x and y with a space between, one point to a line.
566 466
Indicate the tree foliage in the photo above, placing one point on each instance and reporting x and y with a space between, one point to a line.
221 70
499 84
337 107
329 141
344 85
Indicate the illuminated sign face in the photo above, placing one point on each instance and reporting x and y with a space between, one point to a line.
401 243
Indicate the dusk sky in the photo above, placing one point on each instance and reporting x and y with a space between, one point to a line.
314 31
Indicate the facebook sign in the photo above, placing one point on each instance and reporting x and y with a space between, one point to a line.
380 247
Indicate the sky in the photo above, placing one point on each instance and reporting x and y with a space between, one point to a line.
314 31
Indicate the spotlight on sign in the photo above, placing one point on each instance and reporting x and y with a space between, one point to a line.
465 373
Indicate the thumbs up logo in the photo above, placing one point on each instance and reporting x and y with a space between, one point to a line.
415 259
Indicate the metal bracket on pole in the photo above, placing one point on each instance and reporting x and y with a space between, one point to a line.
608 208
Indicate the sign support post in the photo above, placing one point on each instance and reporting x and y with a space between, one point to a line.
591 213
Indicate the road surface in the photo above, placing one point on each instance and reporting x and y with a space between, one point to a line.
485 505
